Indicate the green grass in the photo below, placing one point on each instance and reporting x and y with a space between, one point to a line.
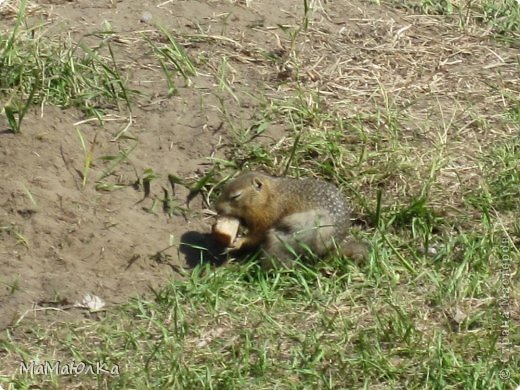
501 166
329 327
40 66
38 69
502 16
173 59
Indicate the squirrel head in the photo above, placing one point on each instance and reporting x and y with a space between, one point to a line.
245 194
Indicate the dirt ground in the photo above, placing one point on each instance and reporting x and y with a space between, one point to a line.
73 240
76 240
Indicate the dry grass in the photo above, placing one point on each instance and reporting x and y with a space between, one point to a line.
9 8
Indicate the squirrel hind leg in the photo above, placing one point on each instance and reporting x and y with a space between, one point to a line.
305 234
357 250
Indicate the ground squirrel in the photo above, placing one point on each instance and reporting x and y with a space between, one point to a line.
289 218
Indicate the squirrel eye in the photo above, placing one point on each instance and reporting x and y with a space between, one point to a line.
235 196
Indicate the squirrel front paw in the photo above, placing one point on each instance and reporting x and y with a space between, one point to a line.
238 243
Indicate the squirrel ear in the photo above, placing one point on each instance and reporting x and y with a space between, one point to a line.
257 183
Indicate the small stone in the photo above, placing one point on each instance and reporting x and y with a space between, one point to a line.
146 17
432 251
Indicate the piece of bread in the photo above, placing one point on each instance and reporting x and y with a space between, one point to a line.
225 230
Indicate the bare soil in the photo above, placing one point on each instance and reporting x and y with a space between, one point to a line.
75 240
